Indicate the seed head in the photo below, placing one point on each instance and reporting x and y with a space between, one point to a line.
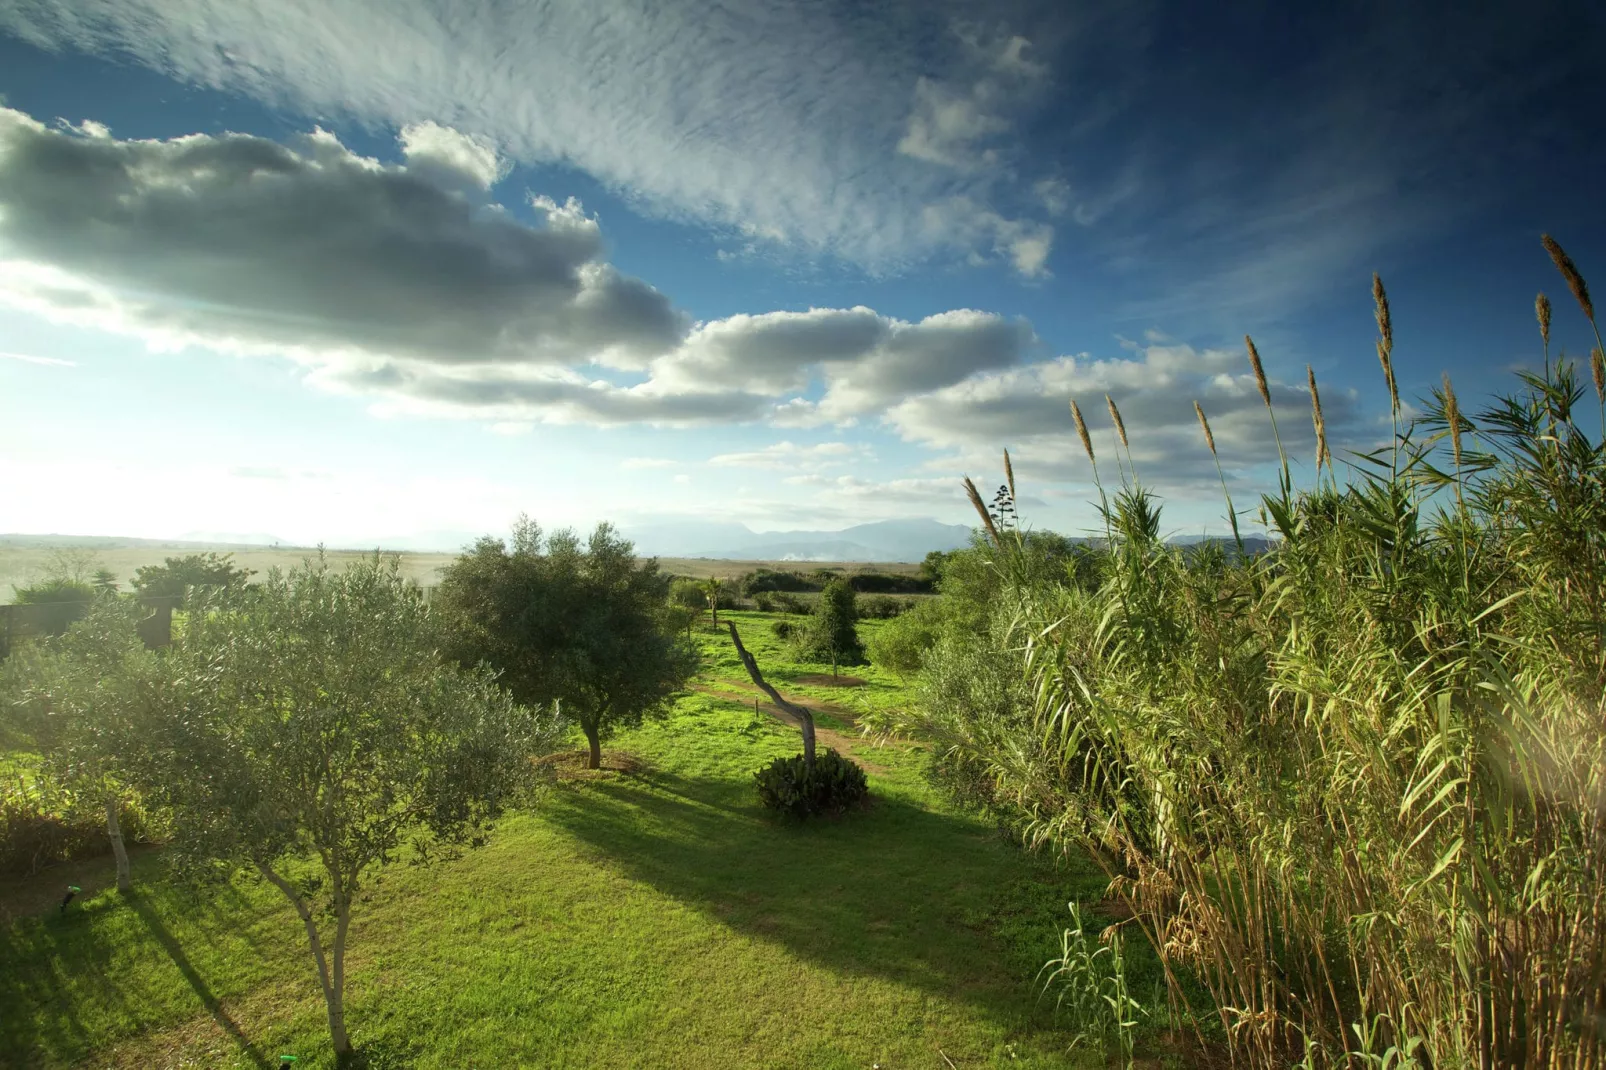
1210 440
1388 375
1569 271
1260 373
1323 456
1542 310
1452 416
1385 325
981 510
1009 474
1081 429
1597 369
1120 428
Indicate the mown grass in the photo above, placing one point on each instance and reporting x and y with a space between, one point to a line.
650 918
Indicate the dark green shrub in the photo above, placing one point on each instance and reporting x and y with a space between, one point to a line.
783 629
767 579
888 583
690 593
174 576
837 784
900 644
882 607
53 605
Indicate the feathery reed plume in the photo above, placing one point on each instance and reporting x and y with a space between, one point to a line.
1597 371
1210 440
1385 341
1265 395
1385 325
1388 377
1323 455
1542 310
1452 416
1115 415
981 510
1081 430
1009 476
1569 271
1260 373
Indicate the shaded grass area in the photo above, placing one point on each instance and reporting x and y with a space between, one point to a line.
657 918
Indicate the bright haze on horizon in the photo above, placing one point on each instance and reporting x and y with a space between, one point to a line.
375 268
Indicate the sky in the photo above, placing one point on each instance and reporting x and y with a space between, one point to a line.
355 270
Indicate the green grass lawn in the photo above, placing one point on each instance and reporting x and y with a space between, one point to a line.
656 918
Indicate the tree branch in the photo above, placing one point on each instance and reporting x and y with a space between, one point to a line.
804 717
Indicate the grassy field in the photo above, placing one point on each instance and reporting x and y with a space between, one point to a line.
650 915
24 563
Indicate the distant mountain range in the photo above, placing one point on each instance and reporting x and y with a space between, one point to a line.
885 540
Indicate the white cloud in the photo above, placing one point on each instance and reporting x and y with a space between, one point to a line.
789 456
1027 410
428 146
29 358
633 464
745 118
512 428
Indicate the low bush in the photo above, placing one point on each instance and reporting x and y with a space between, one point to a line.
689 593
882 607
783 629
836 784
900 644
39 830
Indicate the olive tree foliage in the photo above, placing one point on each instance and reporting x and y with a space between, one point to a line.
309 731
73 695
583 625
175 575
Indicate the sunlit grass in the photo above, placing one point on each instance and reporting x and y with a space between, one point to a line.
657 918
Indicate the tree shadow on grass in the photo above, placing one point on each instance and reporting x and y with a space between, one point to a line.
197 983
896 891
41 960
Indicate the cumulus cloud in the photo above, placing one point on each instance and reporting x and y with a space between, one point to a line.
402 281
1027 410
240 241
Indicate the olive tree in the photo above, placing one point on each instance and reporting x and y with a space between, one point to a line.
308 731
73 695
583 625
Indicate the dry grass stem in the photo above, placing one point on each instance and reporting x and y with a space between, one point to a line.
1081 430
1210 440
1388 376
1542 310
981 510
1009 475
1452 416
1323 456
1115 415
1260 372
1569 271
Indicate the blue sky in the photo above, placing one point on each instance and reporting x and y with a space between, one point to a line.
354 270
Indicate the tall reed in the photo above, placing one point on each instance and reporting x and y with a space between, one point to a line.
1353 789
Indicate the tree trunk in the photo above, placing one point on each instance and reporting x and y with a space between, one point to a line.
114 829
805 719
337 984
334 995
593 737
